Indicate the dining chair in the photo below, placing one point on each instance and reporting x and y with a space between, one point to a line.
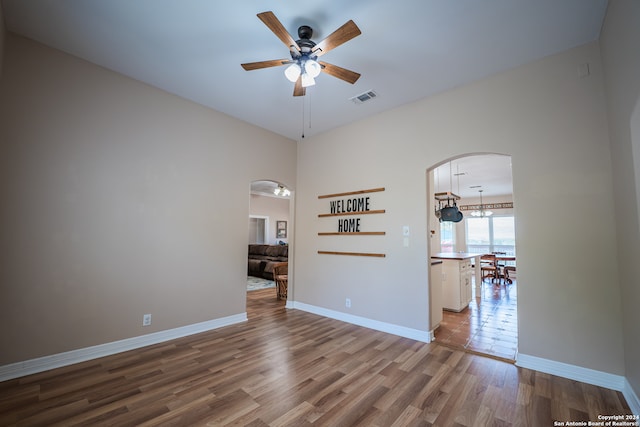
489 267
500 264
280 276
509 270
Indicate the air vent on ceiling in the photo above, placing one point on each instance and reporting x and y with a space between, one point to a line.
364 97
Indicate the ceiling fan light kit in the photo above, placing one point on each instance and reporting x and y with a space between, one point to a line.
312 68
292 72
307 80
304 66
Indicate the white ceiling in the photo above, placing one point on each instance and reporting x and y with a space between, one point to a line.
465 176
265 188
409 49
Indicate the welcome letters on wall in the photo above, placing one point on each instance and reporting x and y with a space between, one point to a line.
348 208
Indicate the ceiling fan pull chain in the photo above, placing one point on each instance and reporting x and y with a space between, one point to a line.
309 96
303 97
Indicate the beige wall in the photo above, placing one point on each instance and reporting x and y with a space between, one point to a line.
2 37
118 200
554 126
276 208
621 59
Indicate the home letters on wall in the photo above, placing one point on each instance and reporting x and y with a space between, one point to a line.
348 208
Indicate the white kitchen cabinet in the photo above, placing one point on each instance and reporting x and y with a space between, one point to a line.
456 284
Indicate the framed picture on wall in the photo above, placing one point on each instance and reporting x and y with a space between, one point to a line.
281 229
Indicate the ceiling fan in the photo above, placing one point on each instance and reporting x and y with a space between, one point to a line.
303 66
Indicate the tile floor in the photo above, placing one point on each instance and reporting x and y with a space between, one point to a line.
488 326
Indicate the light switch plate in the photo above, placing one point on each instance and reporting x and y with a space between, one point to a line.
405 230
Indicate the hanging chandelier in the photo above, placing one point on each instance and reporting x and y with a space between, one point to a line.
282 191
481 213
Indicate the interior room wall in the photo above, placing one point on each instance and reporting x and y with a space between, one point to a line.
277 209
2 37
554 125
621 59
118 200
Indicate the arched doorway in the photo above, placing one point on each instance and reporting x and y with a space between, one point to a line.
471 311
270 231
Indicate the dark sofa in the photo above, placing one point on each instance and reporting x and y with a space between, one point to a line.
262 258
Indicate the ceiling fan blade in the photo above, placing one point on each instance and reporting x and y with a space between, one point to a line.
338 37
278 29
339 72
298 90
265 64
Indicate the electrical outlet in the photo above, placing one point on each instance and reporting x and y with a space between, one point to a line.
347 303
146 320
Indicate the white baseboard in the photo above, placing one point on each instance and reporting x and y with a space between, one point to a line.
585 375
632 398
572 372
32 366
390 328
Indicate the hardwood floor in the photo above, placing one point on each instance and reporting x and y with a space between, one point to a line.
291 368
488 326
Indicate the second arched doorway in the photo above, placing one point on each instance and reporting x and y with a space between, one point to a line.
270 231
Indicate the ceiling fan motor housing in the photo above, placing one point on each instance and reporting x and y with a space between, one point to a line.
305 32
305 43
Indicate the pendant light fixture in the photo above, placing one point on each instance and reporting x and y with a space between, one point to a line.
482 212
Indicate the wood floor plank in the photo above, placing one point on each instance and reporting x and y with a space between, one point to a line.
290 368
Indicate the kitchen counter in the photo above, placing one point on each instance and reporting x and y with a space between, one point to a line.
463 256
454 255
